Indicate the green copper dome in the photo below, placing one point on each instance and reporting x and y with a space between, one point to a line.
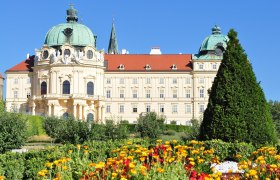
72 32
214 41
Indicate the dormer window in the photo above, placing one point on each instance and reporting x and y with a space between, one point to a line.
174 67
121 67
148 67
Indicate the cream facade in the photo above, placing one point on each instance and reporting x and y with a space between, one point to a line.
70 76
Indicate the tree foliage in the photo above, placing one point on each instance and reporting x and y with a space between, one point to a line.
12 131
237 108
274 107
150 125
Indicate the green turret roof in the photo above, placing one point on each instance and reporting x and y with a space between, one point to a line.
72 32
113 44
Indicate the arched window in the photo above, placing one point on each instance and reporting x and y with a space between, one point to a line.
90 88
90 117
66 87
65 115
43 88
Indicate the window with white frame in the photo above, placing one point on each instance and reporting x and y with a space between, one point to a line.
121 93
121 108
108 80
134 108
201 92
121 67
121 80
201 66
108 108
134 81
174 80
148 80
148 108
161 93
161 80
16 81
188 80
214 66
188 93
161 108
188 108
134 93
28 94
15 94
201 108
108 93
201 80
148 93
174 108
174 93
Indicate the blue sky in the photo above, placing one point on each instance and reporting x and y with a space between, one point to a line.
177 26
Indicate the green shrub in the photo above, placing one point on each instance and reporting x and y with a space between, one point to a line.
150 125
12 131
12 165
35 126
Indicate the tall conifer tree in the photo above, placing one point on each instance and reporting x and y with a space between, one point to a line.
237 108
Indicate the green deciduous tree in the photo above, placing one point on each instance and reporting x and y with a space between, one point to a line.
150 125
237 108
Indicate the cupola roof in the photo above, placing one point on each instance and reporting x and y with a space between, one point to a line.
71 32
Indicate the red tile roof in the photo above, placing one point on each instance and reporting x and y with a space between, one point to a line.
1 76
138 62
131 62
24 65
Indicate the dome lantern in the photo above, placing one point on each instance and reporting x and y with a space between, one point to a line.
72 14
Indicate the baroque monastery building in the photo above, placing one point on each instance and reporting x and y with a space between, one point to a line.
69 76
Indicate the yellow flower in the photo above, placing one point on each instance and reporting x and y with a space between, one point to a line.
133 171
85 151
85 147
252 172
42 173
2 177
129 143
142 159
160 170
192 163
159 141
70 151
174 141
100 165
194 142
49 164
167 142
131 165
114 175
195 151
64 167
78 146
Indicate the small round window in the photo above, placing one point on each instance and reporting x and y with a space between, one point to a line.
45 54
67 52
89 54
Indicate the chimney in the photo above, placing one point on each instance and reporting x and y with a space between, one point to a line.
155 51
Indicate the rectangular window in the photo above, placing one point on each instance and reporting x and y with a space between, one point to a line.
134 93
121 80
174 81
174 108
148 80
201 93
148 93
134 108
121 109
188 93
108 81
108 109
16 81
108 93
161 80
15 94
134 81
161 93
188 108
121 93
188 80
148 108
161 108
175 93
200 66
214 66
201 108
